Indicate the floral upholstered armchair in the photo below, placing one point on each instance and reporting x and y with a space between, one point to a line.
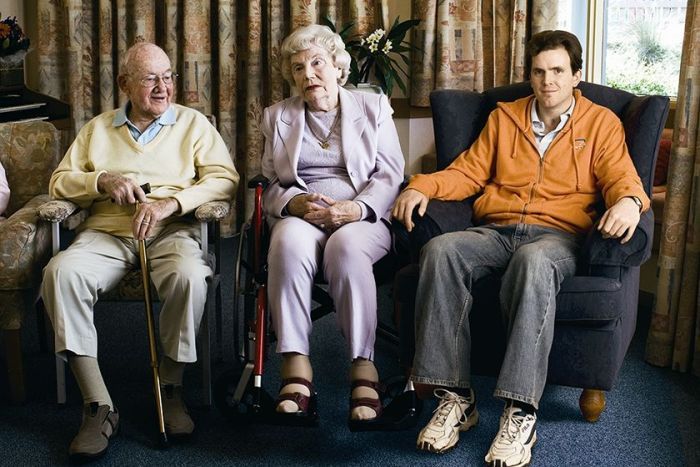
29 152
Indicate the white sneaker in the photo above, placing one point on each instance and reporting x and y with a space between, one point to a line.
513 444
454 413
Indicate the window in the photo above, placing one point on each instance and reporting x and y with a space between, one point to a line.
633 45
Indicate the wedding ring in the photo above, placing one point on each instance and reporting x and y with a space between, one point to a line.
145 223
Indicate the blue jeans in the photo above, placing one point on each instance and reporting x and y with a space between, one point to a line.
533 261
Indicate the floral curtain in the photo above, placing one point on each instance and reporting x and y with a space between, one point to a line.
674 336
474 44
225 51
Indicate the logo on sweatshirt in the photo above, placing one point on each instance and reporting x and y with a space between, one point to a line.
579 143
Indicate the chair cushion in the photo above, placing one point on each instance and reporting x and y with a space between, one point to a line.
29 152
661 170
644 120
130 288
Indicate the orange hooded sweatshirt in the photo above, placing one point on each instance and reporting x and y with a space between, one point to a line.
587 159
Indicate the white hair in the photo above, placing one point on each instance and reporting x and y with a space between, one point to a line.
320 36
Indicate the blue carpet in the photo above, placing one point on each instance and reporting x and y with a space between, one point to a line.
650 419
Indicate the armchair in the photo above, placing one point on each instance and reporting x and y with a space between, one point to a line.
597 308
29 152
130 288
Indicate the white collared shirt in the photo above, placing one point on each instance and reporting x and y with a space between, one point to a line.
538 126
143 138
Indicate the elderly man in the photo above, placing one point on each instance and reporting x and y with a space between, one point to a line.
186 162
539 166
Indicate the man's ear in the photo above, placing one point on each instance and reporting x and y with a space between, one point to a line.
121 81
577 77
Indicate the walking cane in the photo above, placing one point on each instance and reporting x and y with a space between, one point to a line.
152 343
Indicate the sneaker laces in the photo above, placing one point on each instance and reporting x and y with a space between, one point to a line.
511 426
448 399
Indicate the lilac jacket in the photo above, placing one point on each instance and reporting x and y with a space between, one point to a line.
370 145
4 191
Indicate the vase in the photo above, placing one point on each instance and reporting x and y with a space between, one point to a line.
367 87
12 71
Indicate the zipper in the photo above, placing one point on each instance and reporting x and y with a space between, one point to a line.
540 169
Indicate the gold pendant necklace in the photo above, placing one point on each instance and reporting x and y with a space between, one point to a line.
324 142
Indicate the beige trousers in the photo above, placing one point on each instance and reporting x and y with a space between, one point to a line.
95 263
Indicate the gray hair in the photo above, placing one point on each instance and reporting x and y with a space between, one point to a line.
321 36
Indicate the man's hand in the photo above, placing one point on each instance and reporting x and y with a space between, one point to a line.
147 215
620 220
122 190
406 203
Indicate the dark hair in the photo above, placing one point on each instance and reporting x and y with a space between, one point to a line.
548 40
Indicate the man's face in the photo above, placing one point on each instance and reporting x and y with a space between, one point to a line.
148 100
552 81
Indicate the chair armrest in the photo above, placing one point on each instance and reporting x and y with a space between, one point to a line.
212 211
24 241
440 217
57 210
598 251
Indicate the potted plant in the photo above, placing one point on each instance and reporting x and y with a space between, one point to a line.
374 58
13 48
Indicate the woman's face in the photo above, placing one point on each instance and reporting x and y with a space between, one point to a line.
316 78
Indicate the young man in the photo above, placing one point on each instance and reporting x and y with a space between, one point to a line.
540 165
182 156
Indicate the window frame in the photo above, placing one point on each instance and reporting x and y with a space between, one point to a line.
591 25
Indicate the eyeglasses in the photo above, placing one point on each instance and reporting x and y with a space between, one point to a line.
150 81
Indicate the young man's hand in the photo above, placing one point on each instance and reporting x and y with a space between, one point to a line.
406 203
620 220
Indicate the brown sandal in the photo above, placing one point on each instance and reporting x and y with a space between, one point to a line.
369 402
307 414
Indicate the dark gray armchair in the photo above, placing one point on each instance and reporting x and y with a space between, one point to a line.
597 308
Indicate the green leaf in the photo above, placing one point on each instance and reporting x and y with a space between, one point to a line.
346 29
326 21
398 31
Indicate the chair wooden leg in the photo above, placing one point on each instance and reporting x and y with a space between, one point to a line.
592 404
15 369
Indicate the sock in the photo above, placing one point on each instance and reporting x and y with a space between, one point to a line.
171 372
363 369
463 392
294 365
89 378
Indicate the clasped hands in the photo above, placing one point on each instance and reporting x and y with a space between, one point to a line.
323 211
125 191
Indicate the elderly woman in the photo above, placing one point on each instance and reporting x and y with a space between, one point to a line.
335 165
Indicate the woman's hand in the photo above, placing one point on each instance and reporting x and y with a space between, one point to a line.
147 215
324 211
301 205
